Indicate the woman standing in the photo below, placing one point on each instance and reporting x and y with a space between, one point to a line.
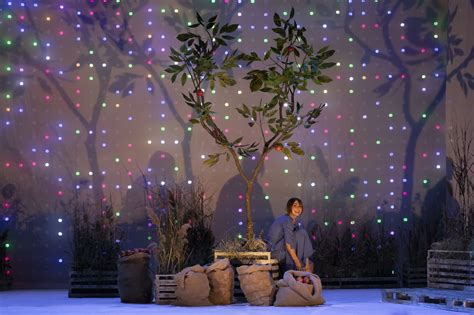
289 241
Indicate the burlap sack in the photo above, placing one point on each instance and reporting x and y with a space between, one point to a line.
221 281
134 278
294 293
257 284
192 287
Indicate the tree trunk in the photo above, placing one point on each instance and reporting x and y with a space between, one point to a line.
248 210
97 178
410 152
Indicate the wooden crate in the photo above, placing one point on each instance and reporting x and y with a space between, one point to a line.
360 282
414 277
242 256
451 270
248 258
437 298
165 289
93 284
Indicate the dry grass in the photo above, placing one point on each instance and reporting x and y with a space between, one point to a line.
94 245
236 246
178 213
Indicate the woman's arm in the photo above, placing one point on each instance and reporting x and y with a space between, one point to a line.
290 243
295 258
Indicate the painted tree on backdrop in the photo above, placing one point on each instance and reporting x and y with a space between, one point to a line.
143 56
28 55
418 49
287 67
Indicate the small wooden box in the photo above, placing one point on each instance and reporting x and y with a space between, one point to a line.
165 289
450 270
93 284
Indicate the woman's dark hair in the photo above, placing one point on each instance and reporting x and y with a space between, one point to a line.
290 203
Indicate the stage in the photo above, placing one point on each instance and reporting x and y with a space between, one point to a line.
361 302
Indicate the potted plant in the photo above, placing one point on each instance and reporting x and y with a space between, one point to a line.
359 257
286 68
451 262
182 216
94 249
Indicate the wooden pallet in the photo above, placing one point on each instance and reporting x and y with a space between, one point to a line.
360 282
165 289
93 284
450 270
414 277
437 298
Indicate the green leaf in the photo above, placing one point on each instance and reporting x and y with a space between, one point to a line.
287 152
212 160
185 36
184 76
280 42
173 77
254 114
225 79
241 112
175 58
210 25
327 54
322 50
292 13
194 121
324 79
229 28
246 109
297 150
220 41
279 31
215 30
287 136
327 65
173 69
186 97
174 51
255 85
199 18
267 55
275 50
237 141
276 19
244 152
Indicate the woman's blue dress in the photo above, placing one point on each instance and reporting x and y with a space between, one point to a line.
284 231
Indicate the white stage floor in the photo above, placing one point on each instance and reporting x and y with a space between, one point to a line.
359 302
